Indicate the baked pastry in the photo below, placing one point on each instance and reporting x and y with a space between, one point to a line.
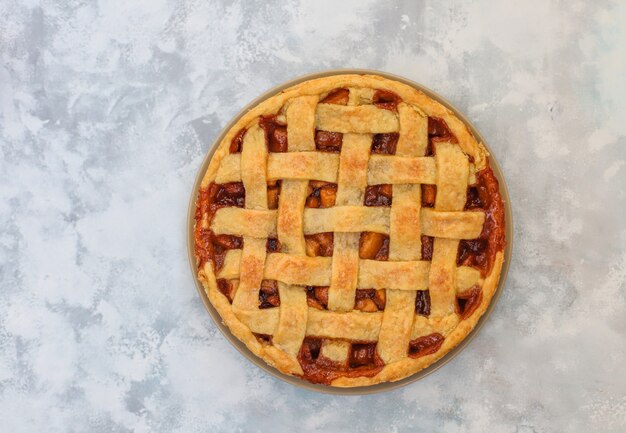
349 230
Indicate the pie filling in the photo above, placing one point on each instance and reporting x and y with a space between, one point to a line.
362 361
363 358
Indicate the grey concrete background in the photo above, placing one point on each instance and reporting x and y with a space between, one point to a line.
106 111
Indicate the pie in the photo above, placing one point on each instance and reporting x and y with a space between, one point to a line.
349 230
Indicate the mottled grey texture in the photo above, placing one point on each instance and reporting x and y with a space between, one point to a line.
106 111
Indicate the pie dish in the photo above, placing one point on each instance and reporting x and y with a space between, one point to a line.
349 230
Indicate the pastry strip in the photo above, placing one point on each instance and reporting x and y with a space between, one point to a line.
252 269
253 168
304 166
324 166
290 213
309 271
292 319
401 169
300 115
352 181
362 119
262 223
404 239
452 177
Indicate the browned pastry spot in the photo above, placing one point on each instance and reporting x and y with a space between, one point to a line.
370 300
276 133
237 142
337 96
425 345
374 246
385 144
321 194
422 302
386 100
480 252
268 294
378 195
317 297
326 141
429 194
468 302
319 244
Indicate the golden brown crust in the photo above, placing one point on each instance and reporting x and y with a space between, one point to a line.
409 366
319 86
258 221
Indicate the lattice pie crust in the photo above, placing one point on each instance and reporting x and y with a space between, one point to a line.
349 230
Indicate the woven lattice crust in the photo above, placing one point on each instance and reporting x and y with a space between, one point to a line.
356 262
